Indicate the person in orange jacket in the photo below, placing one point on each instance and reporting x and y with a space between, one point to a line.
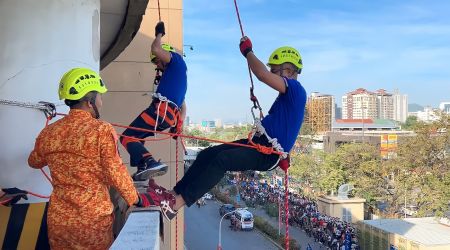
81 153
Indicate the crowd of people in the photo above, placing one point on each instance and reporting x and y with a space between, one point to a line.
332 232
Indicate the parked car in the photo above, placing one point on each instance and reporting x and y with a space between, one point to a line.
226 208
208 196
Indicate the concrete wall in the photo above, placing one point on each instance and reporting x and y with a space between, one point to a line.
130 82
335 208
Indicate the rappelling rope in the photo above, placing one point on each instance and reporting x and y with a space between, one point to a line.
258 128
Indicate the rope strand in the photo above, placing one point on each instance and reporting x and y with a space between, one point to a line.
159 12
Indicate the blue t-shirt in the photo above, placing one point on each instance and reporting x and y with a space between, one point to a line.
173 83
286 115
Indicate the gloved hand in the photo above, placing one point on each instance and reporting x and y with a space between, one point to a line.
284 163
157 77
178 129
144 200
246 46
159 29
14 194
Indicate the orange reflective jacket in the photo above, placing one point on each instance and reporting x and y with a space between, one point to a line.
82 155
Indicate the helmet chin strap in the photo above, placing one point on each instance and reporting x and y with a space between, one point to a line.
92 102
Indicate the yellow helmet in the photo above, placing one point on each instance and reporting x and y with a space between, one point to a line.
77 82
165 47
286 54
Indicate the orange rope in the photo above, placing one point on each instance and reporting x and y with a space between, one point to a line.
191 137
5 201
286 208
38 195
262 149
145 139
46 176
185 136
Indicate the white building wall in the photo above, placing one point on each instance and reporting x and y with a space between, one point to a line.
344 108
385 107
39 41
365 106
427 115
400 107
445 107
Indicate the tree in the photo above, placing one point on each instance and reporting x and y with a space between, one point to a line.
196 142
422 169
410 123
359 165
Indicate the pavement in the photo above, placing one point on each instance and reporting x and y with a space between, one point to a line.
202 231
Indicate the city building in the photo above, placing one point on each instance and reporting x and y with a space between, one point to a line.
383 136
360 104
385 104
364 125
218 123
400 106
428 114
320 112
338 112
445 107
410 233
208 126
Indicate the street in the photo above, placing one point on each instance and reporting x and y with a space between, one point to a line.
202 231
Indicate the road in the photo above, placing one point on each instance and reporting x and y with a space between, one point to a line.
202 231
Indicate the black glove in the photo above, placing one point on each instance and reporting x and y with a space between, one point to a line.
159 29
246 46
14 194
157 77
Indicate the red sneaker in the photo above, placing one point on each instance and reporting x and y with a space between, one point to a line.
162 198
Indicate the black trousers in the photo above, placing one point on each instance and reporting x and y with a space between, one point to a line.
212 163
147 120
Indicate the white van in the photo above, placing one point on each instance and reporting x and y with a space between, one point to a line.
244 219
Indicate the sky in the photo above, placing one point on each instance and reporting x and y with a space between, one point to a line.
345 44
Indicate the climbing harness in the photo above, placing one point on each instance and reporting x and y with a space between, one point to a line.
164 100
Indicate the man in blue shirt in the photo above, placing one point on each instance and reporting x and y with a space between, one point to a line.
167 109
283 123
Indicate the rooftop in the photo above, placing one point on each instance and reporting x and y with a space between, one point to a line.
426 231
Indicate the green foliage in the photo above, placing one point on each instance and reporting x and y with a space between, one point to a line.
222 197
271 209
357 164
272 232
230 134
195 142
410 123
421 170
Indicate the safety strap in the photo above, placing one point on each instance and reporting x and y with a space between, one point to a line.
48 108
258 128
163 99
